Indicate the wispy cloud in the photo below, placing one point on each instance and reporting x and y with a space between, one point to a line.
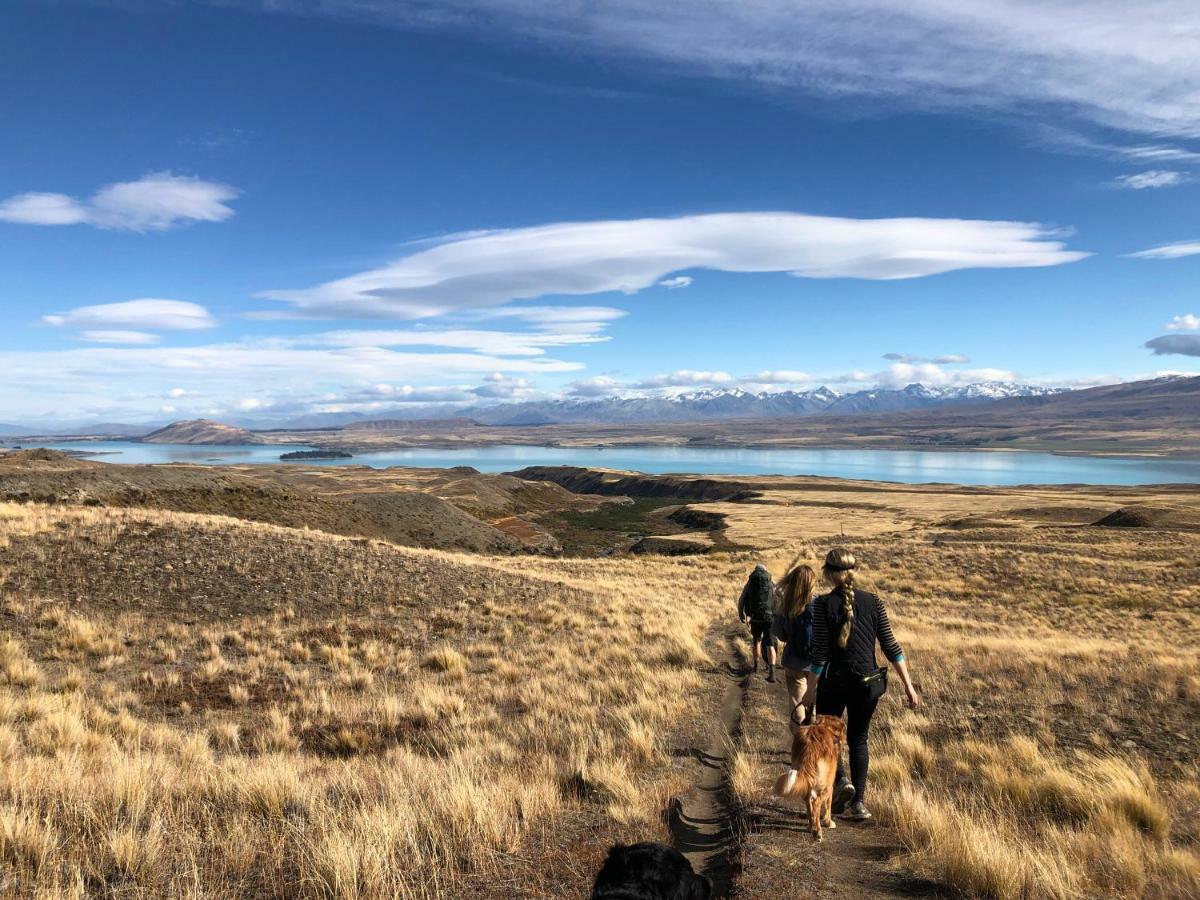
120 337
579 258
1169 251
945 359
1154 178
679 281
1108 62
148 314
152 203
503 343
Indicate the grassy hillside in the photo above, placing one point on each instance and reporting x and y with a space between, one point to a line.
201 706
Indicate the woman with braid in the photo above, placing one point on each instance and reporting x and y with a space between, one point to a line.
847 623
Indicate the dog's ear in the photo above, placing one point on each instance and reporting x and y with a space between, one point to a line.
802 734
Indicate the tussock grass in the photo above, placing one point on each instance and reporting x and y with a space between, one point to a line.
1055 754
174 733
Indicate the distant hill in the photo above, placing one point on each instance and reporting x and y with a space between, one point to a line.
1171 397
199 431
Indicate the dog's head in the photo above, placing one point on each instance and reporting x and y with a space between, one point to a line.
649 872
833 724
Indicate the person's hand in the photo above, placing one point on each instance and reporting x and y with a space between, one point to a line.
914 699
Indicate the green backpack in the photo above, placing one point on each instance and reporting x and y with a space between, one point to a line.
758 601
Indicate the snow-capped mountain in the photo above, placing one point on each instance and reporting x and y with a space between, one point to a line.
696 406
736 403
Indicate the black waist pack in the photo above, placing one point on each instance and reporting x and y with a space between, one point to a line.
875 684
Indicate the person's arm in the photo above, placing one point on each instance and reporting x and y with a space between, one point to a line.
821 650
742 602
895 654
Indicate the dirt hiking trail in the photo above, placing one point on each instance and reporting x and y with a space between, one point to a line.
704 822
763 848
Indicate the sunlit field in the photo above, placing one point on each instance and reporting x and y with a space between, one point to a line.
195 705
1055 755
198 706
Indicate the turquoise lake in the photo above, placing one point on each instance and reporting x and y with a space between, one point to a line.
908 466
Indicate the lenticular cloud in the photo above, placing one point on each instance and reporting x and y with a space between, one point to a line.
577 258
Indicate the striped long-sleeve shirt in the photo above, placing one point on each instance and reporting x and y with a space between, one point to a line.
871 625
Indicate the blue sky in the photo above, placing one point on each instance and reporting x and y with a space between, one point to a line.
249 210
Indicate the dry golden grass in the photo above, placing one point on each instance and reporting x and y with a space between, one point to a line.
197 706
1055 756
172 733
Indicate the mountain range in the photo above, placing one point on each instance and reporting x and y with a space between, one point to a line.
698 406
1155 398
735 403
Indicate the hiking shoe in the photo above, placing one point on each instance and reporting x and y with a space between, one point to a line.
857 812
771 675
756 666
843 793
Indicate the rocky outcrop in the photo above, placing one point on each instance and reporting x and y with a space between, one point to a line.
1159 517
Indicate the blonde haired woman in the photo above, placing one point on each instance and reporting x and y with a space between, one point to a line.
793 624
847 624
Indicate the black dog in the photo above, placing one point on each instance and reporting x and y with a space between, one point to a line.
649 872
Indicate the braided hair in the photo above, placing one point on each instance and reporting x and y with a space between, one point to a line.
839 571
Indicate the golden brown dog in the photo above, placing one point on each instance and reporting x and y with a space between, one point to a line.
815 750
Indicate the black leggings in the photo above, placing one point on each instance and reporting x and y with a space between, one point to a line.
835 697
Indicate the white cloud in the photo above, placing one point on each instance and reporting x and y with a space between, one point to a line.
598 386
152 203
144 314
1187 322
560 319
679 281
782 376
120 337
1160 153
99 379
502 388
900 375
580 258
1108 62
946 359
686 378
1154 178
1169 251
42 209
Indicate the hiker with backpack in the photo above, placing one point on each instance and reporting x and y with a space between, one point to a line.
757 605
793 624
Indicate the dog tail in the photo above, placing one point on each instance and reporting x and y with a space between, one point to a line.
785 784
